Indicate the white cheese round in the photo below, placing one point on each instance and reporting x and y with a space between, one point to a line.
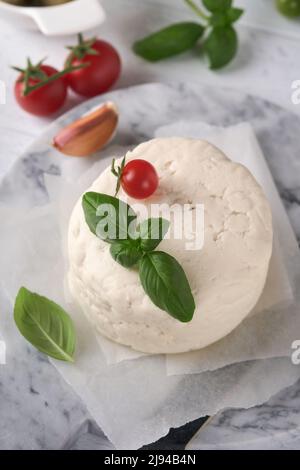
227 275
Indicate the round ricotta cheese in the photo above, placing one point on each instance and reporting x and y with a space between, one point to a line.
227 275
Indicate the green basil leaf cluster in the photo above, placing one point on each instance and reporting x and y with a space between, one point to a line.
162 277
152 232
220 41
126 252
45 325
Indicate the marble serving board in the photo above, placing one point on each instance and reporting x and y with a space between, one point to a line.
38 409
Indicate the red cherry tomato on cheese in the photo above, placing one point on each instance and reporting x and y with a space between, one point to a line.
46 100
139 179
102 72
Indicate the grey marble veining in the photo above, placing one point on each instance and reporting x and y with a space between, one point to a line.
274 425
38 410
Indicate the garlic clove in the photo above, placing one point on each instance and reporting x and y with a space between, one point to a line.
90 133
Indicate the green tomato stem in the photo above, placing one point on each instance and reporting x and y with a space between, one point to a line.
117 172
196 9
28 89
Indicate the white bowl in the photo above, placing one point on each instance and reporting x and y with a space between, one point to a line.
69 18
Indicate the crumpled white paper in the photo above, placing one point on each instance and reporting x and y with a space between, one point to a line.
134 401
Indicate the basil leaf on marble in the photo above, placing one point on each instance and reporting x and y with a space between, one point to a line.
221 46
225 18
217 5
165 282
108 217
127 253
152 232
234 14
219 41
169 41
45 325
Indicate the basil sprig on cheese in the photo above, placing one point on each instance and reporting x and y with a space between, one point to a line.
162 277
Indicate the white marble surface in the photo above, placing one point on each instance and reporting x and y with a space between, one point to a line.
266 65
272 426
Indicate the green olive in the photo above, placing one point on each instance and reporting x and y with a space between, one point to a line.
290 8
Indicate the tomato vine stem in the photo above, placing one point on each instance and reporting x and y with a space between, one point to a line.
30 88
117 172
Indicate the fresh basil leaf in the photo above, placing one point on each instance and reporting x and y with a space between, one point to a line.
234 14
225 18
165 282
127 252
45 325
221 46
152 232
108 217
217 5
169 41
219 19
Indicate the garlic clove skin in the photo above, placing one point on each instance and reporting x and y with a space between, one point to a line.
90 133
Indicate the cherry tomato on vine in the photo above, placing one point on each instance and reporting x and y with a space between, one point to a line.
138 178
102 71
290 8
45 100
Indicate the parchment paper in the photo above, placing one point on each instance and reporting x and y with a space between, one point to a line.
135 402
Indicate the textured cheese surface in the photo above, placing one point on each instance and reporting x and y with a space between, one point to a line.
227 275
